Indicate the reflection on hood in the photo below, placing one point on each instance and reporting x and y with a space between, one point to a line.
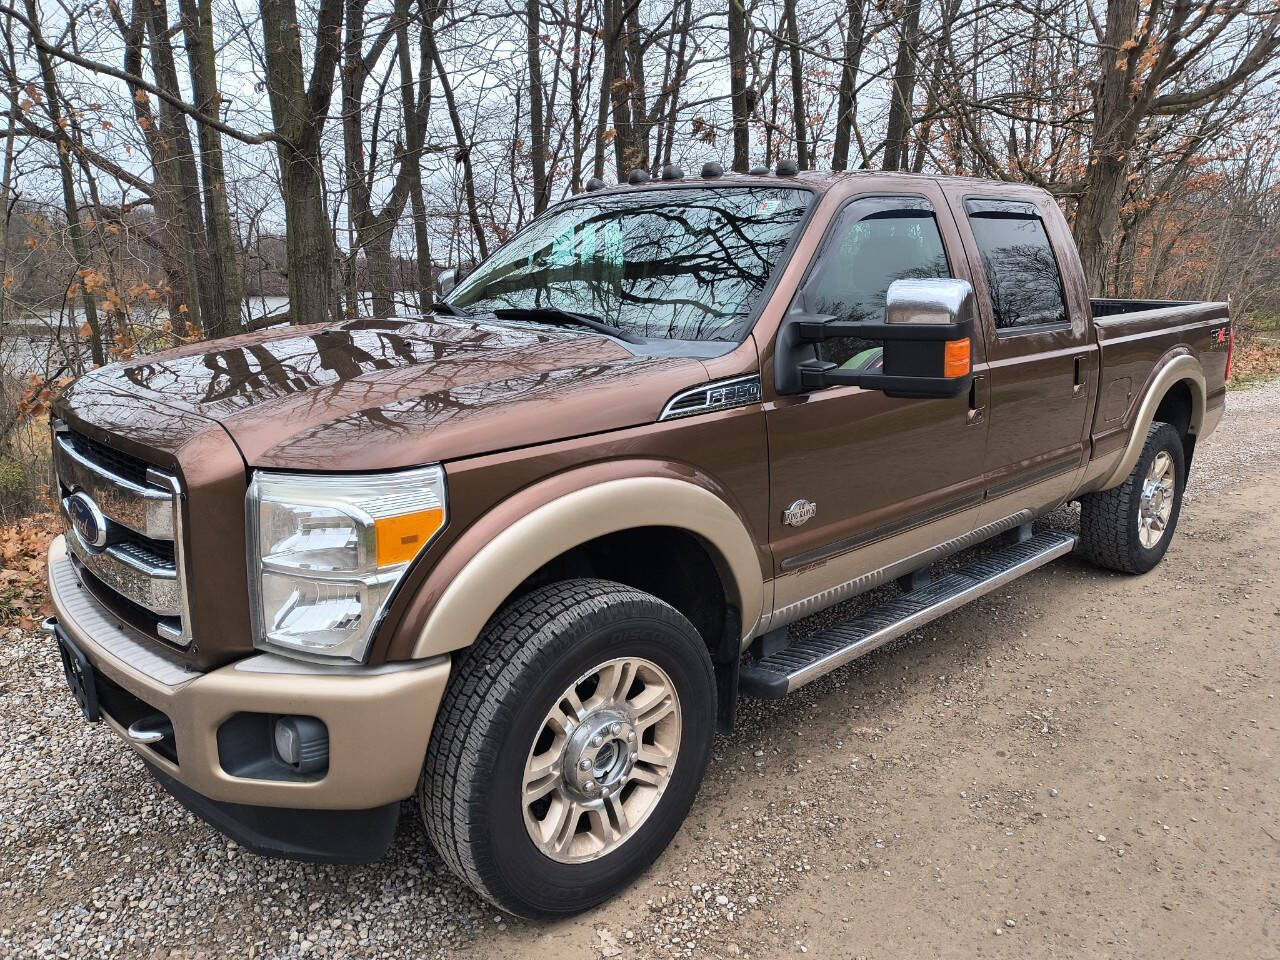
369 393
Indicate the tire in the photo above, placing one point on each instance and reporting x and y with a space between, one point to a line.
502 714
1111 533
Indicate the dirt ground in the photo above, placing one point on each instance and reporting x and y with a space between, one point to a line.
1084 765
1080 765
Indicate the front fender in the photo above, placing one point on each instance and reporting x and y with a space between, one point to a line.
475 576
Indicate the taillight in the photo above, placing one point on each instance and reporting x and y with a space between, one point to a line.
1231 348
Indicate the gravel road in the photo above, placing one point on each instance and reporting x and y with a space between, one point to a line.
1081 765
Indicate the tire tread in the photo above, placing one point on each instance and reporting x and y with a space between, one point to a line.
482 691
1105 516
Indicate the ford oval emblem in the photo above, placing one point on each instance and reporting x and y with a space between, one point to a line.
89 523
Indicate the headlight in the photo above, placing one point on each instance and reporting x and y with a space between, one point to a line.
326 552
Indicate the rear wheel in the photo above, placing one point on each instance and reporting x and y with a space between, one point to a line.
1129 527
569 746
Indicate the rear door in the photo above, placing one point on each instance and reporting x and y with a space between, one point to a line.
1041 357
886 477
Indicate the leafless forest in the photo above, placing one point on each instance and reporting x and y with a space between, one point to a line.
168 165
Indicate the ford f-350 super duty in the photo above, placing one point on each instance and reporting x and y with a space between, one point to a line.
520 555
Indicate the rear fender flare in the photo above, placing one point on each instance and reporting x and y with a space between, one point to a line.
1181 367
541 534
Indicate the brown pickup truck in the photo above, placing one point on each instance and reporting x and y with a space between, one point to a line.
521 555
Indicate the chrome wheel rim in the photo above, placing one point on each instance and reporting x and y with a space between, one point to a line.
1156 505
601 760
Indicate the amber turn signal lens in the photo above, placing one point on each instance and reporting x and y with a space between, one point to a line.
400 538
955 358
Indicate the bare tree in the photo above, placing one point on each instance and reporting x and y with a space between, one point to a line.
300 108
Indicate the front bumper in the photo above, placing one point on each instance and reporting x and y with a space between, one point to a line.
378 718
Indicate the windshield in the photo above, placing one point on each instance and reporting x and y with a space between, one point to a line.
676 264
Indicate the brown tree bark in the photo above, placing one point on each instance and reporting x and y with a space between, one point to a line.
609 37
847 105
672 93
223 245
464 148
797 84
637 141
175 140
904 85
75 229
372 231
169 242
299 110
539 132
1142 48
616 86
739 108
415 105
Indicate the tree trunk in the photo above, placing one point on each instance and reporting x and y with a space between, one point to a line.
1114 127
904 85
464 149
575 100
797 84
299 113
609 32
416 107
175 257
848 98
6 179
616 86
176 140
677 83
538 131
738 85
309 251
637 146
75 230
224 267
381 269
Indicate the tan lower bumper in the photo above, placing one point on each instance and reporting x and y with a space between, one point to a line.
379 719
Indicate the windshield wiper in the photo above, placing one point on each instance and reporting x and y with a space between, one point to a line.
439 306
552 314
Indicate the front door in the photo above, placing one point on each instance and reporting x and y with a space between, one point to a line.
1041 361
859 480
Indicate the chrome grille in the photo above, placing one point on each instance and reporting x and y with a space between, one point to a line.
138 572
127 491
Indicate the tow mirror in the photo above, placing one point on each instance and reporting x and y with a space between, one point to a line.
927 334
449 279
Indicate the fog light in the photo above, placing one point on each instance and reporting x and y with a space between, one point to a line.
302 743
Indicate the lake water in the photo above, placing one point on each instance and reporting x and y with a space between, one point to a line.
44 340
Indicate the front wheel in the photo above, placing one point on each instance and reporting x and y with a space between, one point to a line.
569 746
1128 528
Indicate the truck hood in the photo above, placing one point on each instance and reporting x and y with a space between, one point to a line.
377 394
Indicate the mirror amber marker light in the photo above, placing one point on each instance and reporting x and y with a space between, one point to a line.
955 363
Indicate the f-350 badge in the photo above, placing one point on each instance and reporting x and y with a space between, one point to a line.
802 511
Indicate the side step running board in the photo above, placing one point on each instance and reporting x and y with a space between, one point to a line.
779 673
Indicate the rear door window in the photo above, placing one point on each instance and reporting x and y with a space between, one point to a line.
873 243
1022 272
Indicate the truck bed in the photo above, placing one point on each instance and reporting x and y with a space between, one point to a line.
1115 306
1136 339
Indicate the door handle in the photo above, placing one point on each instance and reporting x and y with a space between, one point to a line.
1077 388
976 413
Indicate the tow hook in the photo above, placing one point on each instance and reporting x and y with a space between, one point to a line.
150 729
